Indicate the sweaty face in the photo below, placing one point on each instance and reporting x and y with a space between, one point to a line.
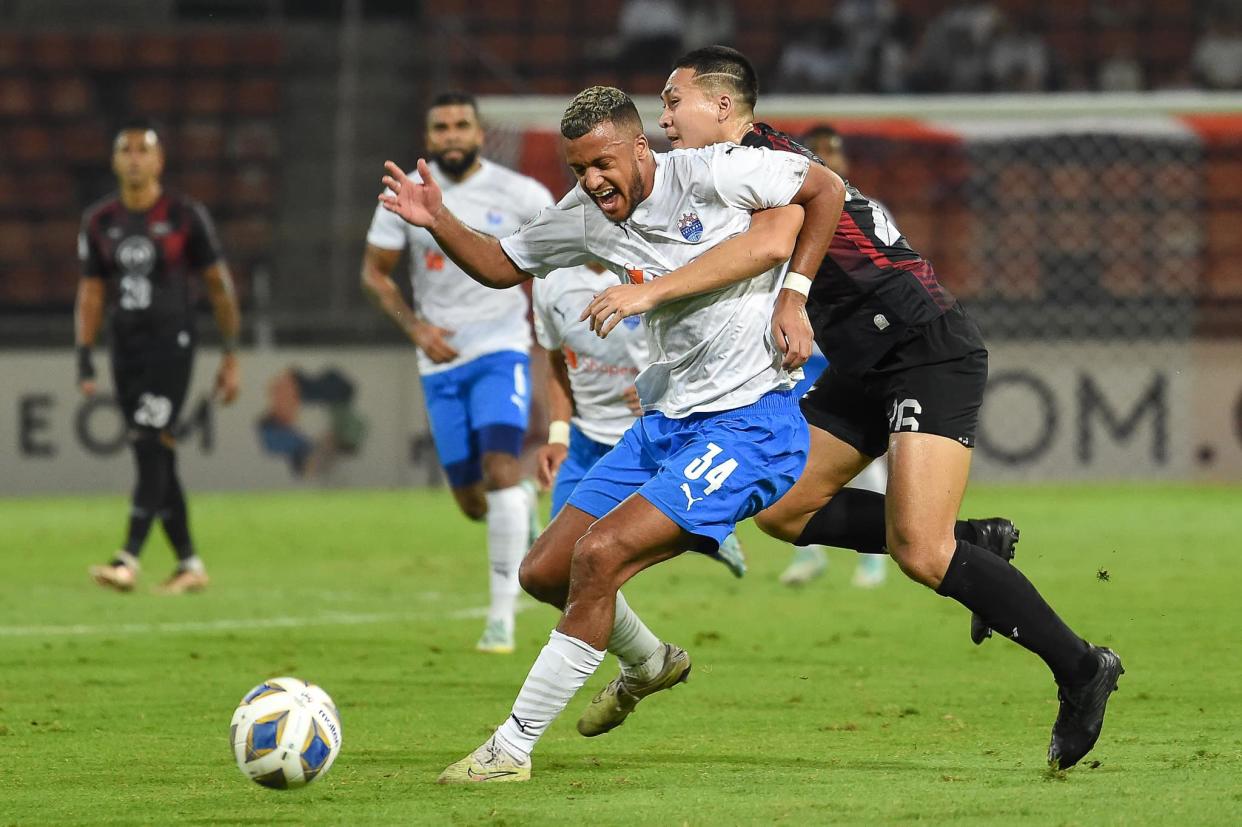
605 162
692 116
137 157
454 137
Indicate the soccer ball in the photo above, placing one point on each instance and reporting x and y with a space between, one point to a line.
285 733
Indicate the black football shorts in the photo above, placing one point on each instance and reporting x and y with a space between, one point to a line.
931 382
151 376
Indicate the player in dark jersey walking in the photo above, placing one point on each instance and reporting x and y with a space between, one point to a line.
141 247
907 369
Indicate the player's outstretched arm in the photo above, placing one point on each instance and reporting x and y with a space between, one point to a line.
228 319
87 319
768 243
422 204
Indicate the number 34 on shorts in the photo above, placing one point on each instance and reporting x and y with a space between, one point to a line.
702 467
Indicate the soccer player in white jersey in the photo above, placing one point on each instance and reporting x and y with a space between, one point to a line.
473 344
590 391
721 435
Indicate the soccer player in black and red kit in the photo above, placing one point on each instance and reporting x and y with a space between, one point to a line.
141 248
907 370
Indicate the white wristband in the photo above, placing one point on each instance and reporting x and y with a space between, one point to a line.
558 432
797 283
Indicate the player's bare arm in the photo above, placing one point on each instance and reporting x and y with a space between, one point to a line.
768 243
560 408
822 196
421 203
228 319
87 318
378 265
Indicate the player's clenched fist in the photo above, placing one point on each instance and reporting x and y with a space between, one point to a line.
417 202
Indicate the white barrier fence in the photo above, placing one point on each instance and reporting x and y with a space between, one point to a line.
354 417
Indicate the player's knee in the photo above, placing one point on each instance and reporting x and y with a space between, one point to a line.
597 557
781 525
543 581
500 471
472 503
922 559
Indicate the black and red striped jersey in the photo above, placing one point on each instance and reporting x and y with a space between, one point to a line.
149 260
872 286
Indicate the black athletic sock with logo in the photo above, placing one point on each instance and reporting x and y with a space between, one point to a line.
854 519
1000 594
150 489
174 516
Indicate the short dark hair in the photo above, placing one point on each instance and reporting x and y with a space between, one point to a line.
820 130
136 124
455 98
596 105
727 65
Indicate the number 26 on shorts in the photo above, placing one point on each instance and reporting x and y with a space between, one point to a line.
702 467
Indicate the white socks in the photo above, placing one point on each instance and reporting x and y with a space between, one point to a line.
638 649
508 524
563 666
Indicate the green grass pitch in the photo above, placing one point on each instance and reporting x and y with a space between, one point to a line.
825 705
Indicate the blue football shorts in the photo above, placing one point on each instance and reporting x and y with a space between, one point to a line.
706 472
584 452
477 408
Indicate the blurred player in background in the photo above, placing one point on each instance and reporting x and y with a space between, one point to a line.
906 376
140 248
591 396
811 561
473 345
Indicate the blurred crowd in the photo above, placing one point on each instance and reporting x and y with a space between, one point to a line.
969 46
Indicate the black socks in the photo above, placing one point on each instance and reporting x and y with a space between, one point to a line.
157 493
1006 600
174 516
854 519
150 490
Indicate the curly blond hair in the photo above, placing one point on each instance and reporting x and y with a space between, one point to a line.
597 105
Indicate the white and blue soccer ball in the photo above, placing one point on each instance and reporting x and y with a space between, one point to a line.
285 733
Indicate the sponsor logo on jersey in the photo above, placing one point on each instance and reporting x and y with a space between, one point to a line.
433 260
495 217
632 321
136 255
635 274
691 227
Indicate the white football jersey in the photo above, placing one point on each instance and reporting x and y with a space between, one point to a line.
708 353
600 370
496 201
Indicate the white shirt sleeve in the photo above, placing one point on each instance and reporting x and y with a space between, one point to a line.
752 178
387 229
553 239
546 332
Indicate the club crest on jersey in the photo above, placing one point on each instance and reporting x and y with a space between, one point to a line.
691 227
495 217
632 322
